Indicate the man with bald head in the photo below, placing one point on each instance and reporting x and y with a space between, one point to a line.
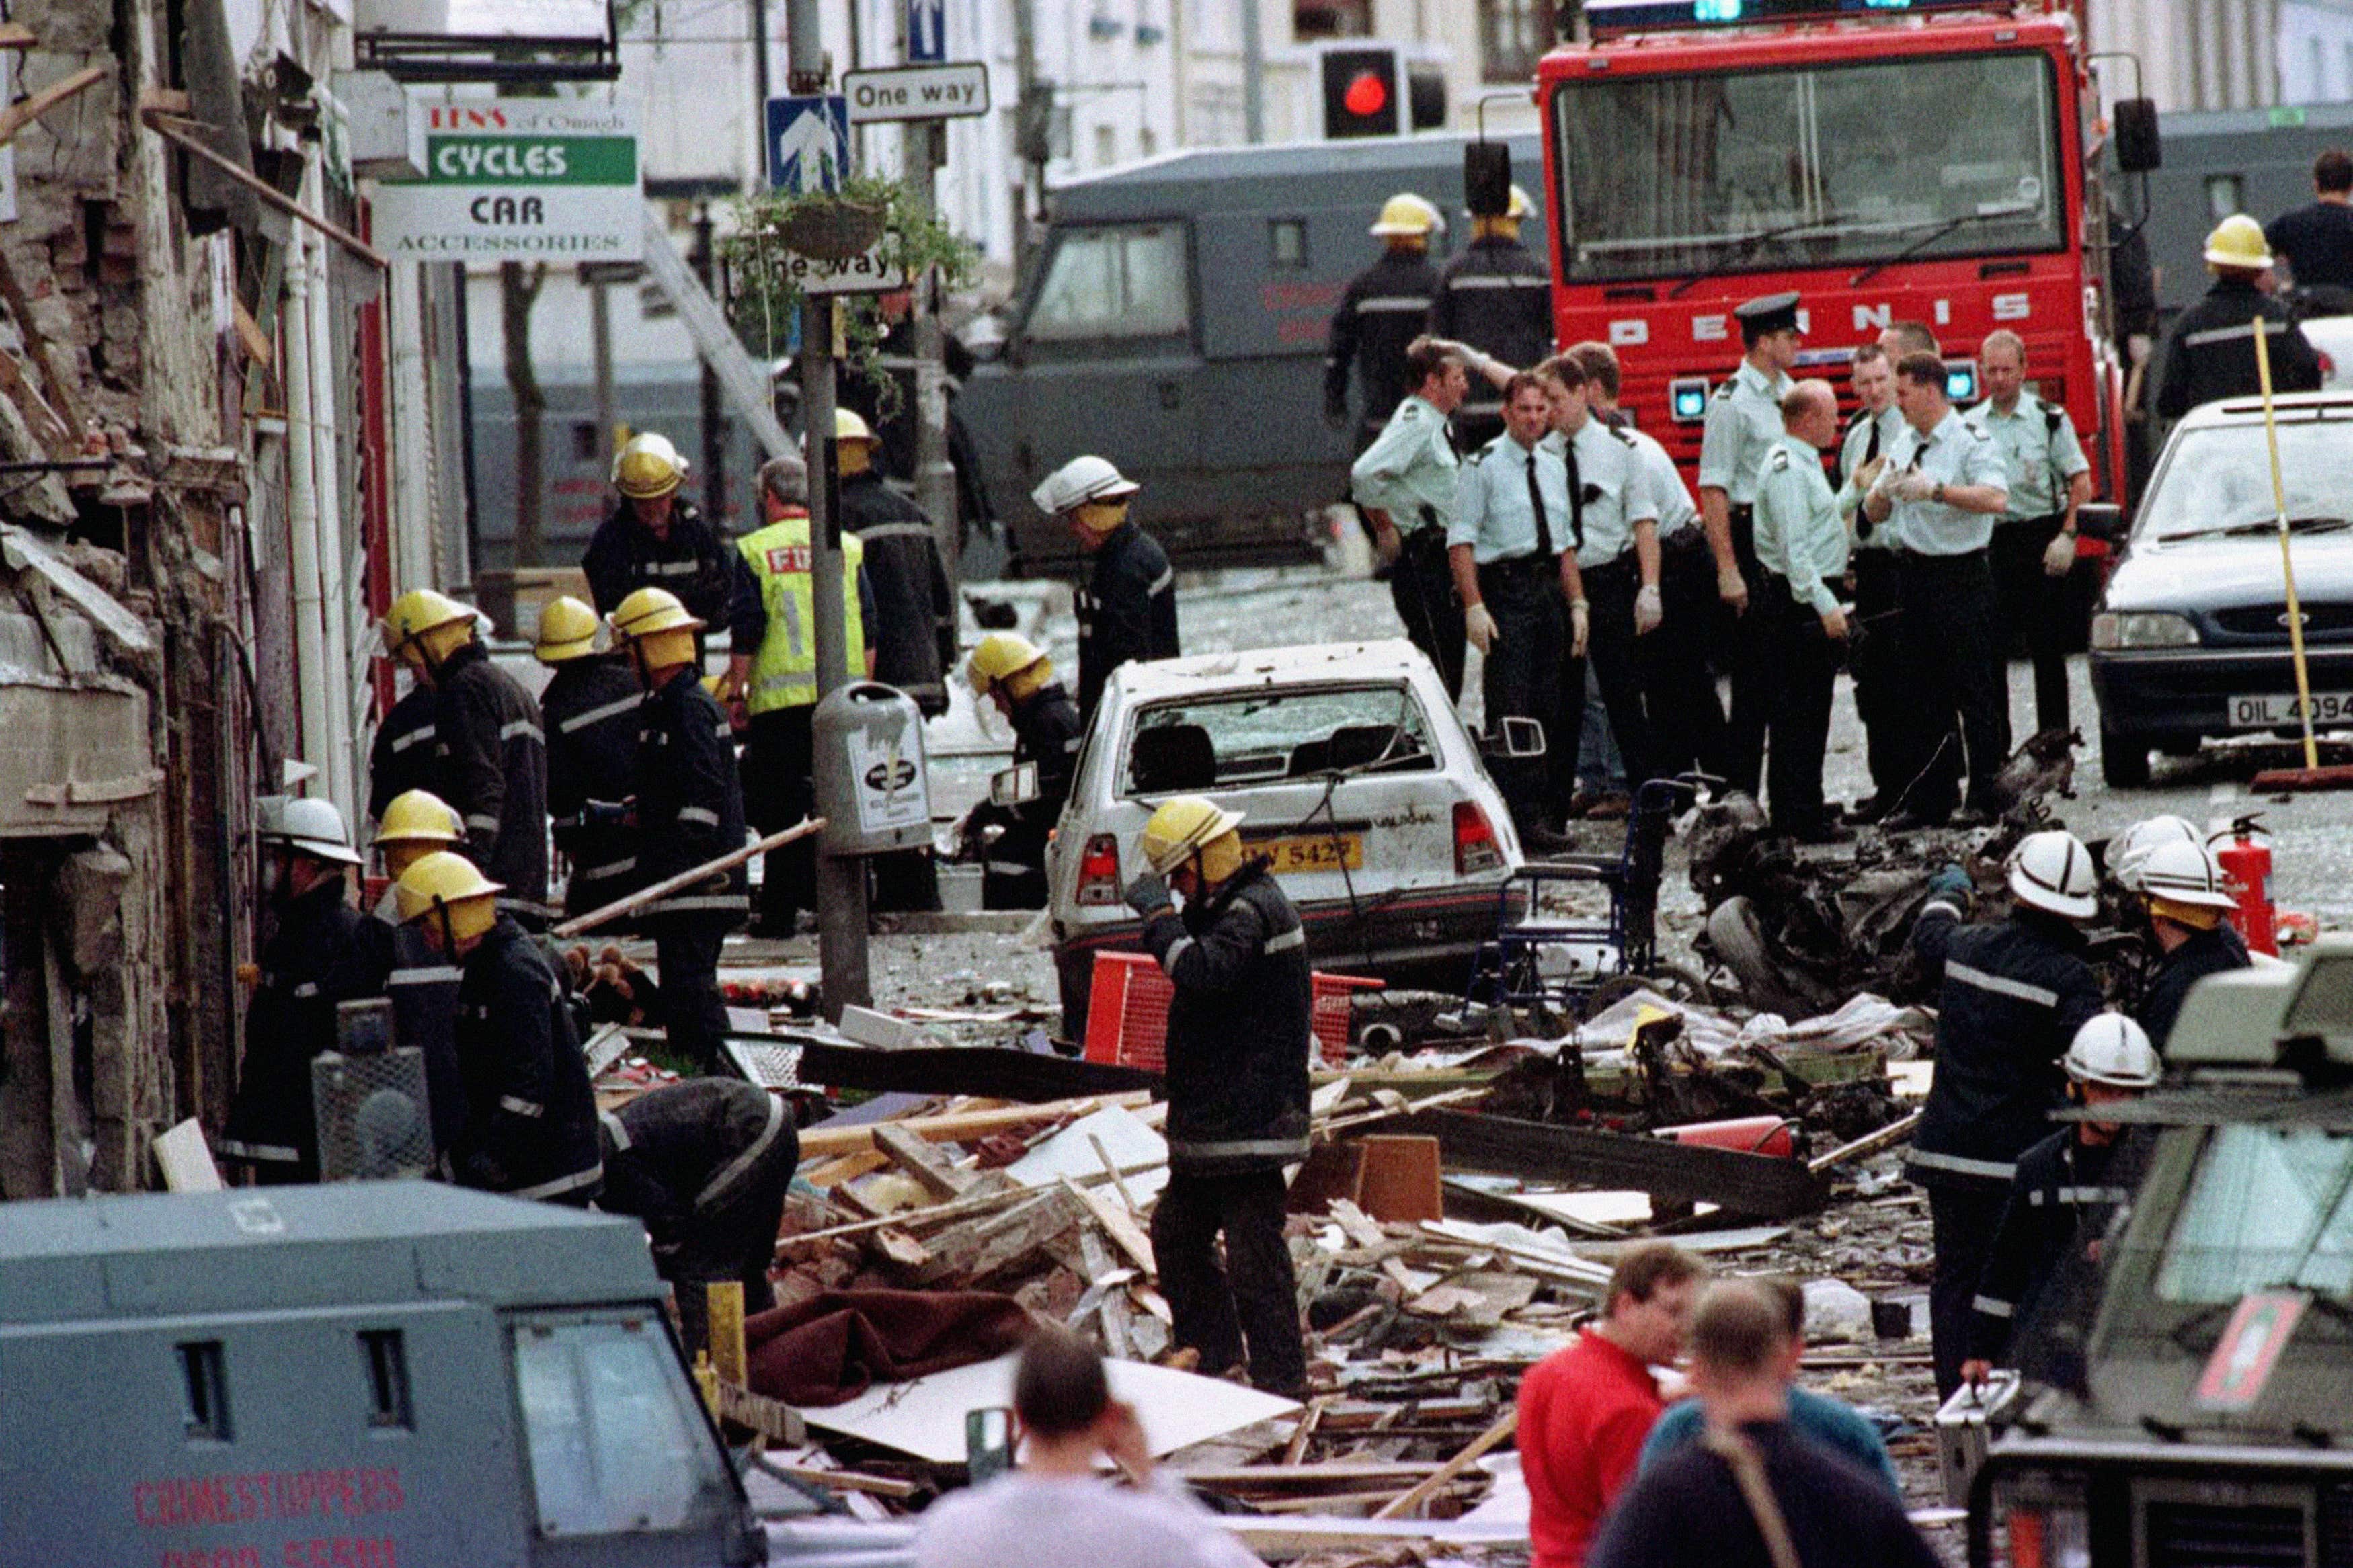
1801 546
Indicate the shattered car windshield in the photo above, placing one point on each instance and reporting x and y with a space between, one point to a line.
1269 734
2270 1208
2220 479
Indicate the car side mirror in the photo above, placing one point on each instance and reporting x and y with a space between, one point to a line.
2132 124
1520 739
2103 520
1013 787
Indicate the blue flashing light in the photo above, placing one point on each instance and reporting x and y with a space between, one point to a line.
1962 380
1715 10
1687 399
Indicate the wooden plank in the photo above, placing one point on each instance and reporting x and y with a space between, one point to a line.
724 1302
1332 1472
1117 1224
971 1255
920 1159
1535 1150
844 1480
772 1418
1505 1425
847 1168
19 115
1870 1143
826 1141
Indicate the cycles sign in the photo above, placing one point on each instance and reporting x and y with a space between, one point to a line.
519 179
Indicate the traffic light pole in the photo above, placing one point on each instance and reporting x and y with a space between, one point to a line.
934 475
843 977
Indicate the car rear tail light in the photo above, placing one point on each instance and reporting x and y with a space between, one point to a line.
1099 873
1475 849
2328 367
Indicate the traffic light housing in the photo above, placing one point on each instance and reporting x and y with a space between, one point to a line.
1371 91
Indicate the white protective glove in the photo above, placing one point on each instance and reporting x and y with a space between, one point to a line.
1580 626
1650 609
2059 557
1480 628
1913 485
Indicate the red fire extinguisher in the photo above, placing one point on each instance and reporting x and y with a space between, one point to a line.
2247 860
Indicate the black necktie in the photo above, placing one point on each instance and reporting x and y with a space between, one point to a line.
1919 452
1575 494
1871 449
1536 504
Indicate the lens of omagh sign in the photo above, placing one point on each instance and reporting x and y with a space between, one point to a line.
519 179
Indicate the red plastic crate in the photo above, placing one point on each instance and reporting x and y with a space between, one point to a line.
1127 1011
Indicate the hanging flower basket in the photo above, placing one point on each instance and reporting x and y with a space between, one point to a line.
831 229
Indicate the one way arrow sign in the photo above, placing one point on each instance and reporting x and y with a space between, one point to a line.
809 144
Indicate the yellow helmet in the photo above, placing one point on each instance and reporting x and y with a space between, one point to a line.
648 466
2238 241
420 816
1519 208
650 610
567 630
849 425
1407 215
1001 657
447 881
1181 826
417 612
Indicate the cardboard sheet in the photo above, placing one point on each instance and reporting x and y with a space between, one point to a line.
925 1417
1072 1153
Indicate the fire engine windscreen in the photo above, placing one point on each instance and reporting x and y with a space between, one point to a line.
1668 175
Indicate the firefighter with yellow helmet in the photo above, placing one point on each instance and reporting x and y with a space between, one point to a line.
590 704
1237 1042
771 672
690 811
656 538
1015 675
1496 298
422 984
2210 352
529 1121
490 745
1381 312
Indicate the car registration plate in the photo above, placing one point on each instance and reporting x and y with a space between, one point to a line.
2272 710
1320 852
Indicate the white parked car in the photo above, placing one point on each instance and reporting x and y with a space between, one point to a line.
1355 777
2333 336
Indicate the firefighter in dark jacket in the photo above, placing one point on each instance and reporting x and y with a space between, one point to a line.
690 811
2189 904
2012 995
1015 674
1496 298
2060 1196
590 706
656 538
422 984
2209 352
531 1117
405 753
915 622
317 957
1237 1042
1128 608
704 1164
1381 313
914 625
492 747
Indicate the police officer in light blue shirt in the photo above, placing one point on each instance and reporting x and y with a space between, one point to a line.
2034 543
1744 419
1941 488
1615 518
1512 548
1801 546
1871 658
1405 484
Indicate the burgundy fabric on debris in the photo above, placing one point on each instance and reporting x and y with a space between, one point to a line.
832 1347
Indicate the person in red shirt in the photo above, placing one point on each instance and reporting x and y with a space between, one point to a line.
1585 1409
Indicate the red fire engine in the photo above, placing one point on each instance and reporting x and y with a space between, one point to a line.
1890 160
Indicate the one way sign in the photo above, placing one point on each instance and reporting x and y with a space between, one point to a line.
809 144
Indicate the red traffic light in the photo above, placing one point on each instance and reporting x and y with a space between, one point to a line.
1367 94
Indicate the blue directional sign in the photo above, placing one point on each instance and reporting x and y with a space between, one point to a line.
809 144
927 32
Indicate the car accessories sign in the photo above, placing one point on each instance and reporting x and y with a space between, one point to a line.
519 180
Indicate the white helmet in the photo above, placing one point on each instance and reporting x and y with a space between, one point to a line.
2185 874
1080 480
2051 871
312 827
2127 850
2112 1049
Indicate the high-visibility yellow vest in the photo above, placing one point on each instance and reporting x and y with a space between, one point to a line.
783 669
